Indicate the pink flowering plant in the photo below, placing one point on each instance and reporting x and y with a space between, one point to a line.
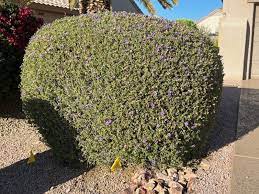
17 25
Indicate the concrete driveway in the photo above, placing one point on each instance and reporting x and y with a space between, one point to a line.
245 172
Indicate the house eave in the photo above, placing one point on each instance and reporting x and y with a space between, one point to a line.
136 6
209 15
51 8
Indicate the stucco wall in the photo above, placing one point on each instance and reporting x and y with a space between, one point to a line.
211 23
237 8
50 13
48 17
235 37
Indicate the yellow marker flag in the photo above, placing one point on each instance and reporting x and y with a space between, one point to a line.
31 158
116 165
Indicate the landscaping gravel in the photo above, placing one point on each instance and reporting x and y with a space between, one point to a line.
214 173
18 138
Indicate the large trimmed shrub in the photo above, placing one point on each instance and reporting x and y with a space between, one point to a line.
137 87
17 25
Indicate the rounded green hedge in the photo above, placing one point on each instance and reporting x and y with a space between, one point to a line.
118 84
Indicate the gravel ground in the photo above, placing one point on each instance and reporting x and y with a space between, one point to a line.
214 174
18 138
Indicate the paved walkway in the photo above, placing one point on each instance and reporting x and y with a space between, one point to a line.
245 174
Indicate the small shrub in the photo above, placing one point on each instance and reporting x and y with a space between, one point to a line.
188 22
17 25
9 70
137 87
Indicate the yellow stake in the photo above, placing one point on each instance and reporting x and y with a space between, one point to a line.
31 159
116 165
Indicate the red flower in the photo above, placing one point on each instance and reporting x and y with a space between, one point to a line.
18 27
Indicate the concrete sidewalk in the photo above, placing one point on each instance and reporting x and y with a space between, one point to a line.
245 174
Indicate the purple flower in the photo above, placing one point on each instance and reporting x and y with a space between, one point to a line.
108 122
100 138
153 162
170 93
162 113
126 41
94 16
154 93
158 48
152 105
193 126
40 89
170 136
186 124
131 113
148 148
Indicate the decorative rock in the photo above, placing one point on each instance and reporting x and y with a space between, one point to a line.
148 175
182 178
175 188
141 191
187 170
190 185
171 171
159 175
175 177
130 190
152 192
162 177
163 183
160 189
137 175
141 178
126 191
165 172
175 182
188 174
151 185
183 182
68 190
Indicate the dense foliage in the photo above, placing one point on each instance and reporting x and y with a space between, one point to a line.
188 22
17 25
118 84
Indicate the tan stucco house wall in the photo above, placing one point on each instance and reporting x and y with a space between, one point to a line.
236 37
211 22
50 10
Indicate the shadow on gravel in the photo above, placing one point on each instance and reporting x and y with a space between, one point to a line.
224 131
227 129
46 172
36 178
55 129
11 107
